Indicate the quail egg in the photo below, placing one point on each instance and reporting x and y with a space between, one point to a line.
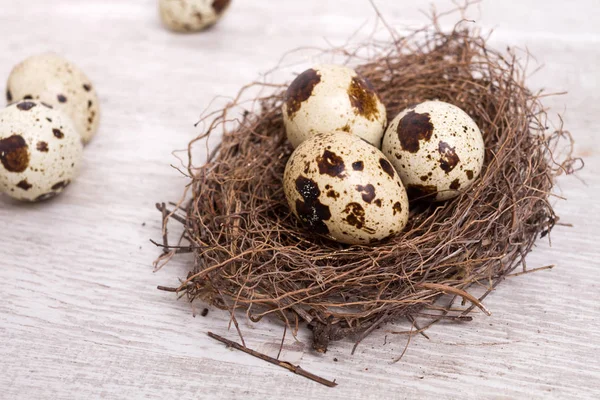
40 151
55 81
437 149
191 15
332 98
341 187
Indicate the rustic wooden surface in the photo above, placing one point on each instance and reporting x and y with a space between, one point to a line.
80 316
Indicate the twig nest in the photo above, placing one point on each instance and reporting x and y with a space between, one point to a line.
191 15
56 81
341 187
40 151
333 98
254 255
436 148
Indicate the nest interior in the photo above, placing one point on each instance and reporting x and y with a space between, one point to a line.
251 253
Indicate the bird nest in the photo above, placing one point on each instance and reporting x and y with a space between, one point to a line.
250 252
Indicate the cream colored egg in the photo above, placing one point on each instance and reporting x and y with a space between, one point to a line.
191 15
436 148
55 81
40 151
332 98
341 187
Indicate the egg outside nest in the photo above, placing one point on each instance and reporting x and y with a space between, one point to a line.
187 16
56 82
40 151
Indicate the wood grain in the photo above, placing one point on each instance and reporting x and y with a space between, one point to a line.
80 316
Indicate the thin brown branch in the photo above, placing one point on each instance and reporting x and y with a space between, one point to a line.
531 270
296 369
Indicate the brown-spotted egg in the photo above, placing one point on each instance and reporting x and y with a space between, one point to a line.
40 151
332 98
436 148
55 81
191 15
342 187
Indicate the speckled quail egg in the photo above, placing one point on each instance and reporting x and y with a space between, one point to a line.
191 15
342 187
55 81
436 148
40 151
332 98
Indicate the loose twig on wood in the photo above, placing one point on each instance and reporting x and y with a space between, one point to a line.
296 369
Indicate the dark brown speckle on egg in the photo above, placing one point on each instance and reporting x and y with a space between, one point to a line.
363 98
42 146
367 192
306 167
58 133
61 98
448 157
310 210
26 105
333 194
300 90
331 164
220 5
358 166
412 128
24 185
356 217
14 153
386 166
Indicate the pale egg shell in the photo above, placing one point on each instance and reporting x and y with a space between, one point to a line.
342 187
333 98
40 151
56 81
191 15
437 149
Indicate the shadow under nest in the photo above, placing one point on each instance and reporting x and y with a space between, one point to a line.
251 253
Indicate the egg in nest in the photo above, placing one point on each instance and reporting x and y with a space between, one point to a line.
332 98
342 187
437 149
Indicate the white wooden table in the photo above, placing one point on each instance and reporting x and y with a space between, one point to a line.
80 316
